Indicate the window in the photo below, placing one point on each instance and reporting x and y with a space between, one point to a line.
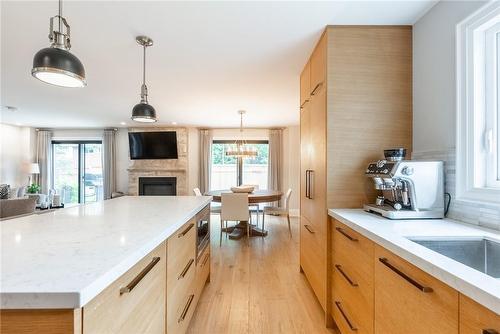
478 105
77 171
227 171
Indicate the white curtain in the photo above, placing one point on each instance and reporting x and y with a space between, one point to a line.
205 159
44 160
275 165
109 162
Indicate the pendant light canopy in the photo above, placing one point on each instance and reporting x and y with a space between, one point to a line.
56 65
144 112
240 148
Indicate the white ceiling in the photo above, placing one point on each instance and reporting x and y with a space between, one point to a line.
209 58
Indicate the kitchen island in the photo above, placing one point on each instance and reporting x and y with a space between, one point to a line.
56 265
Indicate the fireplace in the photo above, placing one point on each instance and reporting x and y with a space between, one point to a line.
157 186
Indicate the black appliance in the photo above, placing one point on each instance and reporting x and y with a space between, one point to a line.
153 145
202 231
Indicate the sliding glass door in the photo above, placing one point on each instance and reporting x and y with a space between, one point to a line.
227 171
77 171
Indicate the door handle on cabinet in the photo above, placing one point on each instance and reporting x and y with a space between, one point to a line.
129 287
307 183
303 104
308 228
349 323
183 233
186 269
313 92
410 280
311 184
341 231
348 279
186 308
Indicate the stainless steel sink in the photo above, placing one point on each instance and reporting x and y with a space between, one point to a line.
479 253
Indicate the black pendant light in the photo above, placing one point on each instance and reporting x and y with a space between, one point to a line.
56 65
144 112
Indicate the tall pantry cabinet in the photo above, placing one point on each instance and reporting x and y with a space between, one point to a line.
355 101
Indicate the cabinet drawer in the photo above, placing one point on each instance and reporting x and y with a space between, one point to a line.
476 319
408 300
180 312
202 271
313 259
181 249
350 247
343 315
134 303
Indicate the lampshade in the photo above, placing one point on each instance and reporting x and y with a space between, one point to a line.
58 67
144 112
34 168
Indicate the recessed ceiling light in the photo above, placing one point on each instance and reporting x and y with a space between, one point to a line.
174 123
123 123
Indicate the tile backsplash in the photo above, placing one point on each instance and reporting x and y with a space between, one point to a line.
482 214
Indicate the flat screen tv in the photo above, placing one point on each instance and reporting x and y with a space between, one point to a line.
153 145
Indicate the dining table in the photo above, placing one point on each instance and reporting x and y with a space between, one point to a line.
255 197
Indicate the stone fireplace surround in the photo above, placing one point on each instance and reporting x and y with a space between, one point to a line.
177 168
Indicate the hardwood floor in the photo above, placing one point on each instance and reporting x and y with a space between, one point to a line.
258 289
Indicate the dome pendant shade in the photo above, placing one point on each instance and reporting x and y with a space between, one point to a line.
144 113
58 67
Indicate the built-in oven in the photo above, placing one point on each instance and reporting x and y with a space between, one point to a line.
202 231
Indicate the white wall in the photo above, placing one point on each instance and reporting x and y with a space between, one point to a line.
16 153
434 75
291 165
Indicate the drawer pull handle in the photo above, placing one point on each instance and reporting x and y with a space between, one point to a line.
316 88
351 282
309 229
129 287
186 269
186 308
419 286
489 331
183 233
341 231
205 260
351 326
303 104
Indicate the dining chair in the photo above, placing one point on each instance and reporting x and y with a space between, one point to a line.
279 211
213 207
254 207
234 207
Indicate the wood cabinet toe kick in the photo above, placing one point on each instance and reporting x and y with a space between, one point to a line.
157 295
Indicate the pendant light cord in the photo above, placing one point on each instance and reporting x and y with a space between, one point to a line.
60 16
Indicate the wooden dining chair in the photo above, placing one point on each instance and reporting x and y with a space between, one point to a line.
279 211
234 207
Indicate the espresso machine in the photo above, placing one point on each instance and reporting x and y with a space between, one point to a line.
408 189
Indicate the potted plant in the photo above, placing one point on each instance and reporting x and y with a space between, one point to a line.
32 191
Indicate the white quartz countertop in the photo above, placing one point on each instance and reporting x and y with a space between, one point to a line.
394 234
64 258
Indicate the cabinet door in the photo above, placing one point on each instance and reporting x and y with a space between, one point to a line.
476 319
305 148
318 65
305 84
134 303
312 259
317 157
408 300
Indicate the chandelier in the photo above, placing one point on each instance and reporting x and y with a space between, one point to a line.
240 148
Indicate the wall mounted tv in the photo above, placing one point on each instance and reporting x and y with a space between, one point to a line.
153 145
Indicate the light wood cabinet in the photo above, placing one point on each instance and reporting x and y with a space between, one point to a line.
181 278
408 300
352 284
476 319
134 303
305 80
344 127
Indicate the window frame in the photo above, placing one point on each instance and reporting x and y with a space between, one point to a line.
239 160
474 161
81 162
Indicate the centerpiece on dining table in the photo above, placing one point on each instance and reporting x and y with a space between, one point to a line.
243 189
